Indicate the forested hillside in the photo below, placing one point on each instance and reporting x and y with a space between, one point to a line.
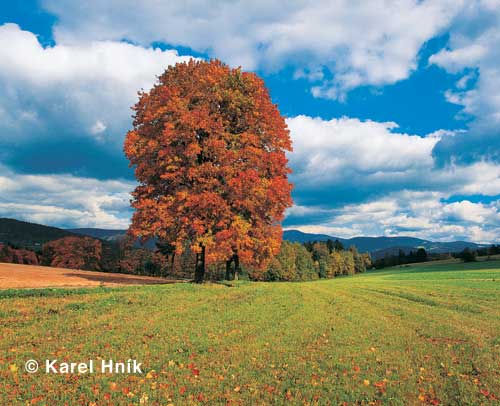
28 235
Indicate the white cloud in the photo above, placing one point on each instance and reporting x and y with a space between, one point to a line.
341 232
72 90
363 156
432 218
325 149
357 177
458 59
88 80
473 44
65 200
98 127
372 42
472 212
329 154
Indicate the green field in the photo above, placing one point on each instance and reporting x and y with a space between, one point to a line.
405 336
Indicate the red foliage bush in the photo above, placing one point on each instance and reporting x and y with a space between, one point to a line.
17 256
74 253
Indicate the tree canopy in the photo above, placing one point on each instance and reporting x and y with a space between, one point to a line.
209 151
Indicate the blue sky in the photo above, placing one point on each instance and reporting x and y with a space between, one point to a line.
394 109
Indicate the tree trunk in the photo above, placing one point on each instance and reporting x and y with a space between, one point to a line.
237 267
199 272
172 263
228 269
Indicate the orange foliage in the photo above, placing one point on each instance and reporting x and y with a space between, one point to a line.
208 147
74 253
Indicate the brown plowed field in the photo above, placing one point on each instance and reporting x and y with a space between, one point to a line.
30 276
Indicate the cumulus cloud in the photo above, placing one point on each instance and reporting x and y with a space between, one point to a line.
343 160
418 214
359 43
330 154
357 177
65 108
479 52
71 94
473 54
65 200
326 148
456 60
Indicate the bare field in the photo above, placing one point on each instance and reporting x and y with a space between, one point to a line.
30 276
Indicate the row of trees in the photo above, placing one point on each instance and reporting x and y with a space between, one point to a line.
297 262
488 251
294 262
419 255
467 255
470 255
96 255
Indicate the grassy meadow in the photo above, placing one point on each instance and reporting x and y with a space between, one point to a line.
427 334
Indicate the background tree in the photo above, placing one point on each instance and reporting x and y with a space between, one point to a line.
334 245
359 261
74 253
308 261
208 147
367 260
17 256
421 255
322 260
293 263
304 263
468 255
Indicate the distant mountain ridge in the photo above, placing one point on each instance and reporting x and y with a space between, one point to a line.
379 245
101 233
31 235
111 235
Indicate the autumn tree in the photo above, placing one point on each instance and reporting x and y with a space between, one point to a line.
17 256
208 147
74 253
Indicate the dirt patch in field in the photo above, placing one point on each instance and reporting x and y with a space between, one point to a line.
444 340
29 276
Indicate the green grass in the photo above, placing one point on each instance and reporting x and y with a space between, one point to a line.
427 334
